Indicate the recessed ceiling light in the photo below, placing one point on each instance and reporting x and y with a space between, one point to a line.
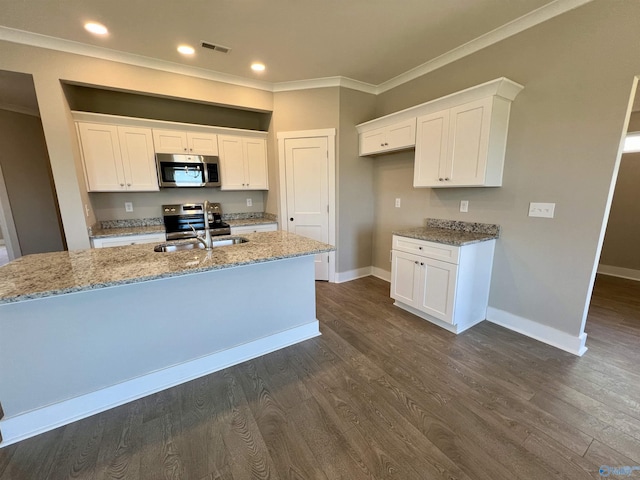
96 28
257 67
186 50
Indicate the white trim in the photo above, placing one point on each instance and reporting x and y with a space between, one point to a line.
20 109
330 135
537 331
349 275
52 43
628 273
381 274
503 32
26 425
507 30
500 87
325 83
458 328
9 233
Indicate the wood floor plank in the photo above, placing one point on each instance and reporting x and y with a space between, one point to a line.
381 394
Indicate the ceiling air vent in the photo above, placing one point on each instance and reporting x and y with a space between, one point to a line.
217 48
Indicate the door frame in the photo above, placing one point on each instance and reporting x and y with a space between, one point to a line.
330 135
9 231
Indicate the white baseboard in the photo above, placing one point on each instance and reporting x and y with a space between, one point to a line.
53 416
537 331
352 274
381 274
621 272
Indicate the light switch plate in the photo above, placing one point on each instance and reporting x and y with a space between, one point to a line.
545 210
128 206
464 205
249 202
398 203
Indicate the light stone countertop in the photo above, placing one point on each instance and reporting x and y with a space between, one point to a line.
451 232
48 274
249 222
126 231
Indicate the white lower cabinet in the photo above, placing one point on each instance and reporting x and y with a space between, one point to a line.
128 240
268 227
445 284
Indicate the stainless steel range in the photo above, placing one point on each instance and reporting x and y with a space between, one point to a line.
187 220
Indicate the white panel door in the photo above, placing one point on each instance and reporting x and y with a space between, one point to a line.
138 159
170 141
431 150
231 163
202 143
437 288
307 187
255 156
405 277
102 157
469 142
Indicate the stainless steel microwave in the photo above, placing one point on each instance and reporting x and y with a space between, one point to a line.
188 170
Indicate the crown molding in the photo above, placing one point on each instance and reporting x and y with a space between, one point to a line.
20 109
324 83
503 32
68 46
531 19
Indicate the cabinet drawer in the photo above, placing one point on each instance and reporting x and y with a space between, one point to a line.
438 251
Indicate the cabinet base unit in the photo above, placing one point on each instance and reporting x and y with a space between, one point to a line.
444 284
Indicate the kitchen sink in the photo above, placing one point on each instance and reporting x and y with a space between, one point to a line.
177 247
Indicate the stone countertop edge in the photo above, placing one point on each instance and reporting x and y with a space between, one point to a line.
84 270
117 231
452 232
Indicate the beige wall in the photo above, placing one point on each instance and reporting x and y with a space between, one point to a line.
50 67
578 70
25 166
355 189
620 248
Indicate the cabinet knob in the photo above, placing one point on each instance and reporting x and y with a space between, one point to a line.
291 219
422 263
441 179
122 184
128 184
382 144
185 149
419 248
446 179
386 144
416 262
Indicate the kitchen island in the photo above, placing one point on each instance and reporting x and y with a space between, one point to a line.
84 331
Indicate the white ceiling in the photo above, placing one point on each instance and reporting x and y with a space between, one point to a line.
370 41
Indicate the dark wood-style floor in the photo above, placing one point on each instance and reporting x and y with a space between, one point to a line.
381 394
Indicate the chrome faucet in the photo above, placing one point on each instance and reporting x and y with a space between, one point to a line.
206 241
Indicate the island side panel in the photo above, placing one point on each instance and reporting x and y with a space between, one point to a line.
56 348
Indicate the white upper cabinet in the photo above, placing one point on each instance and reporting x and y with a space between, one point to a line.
398 136
243 163
460 139
178 141
117 158
463 146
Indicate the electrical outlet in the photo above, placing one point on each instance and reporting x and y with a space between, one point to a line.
249 202
464 205
128 206
545 210
397 203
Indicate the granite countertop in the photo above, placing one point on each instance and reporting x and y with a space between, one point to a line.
123 228
451 232
247 222
126 231
48 274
